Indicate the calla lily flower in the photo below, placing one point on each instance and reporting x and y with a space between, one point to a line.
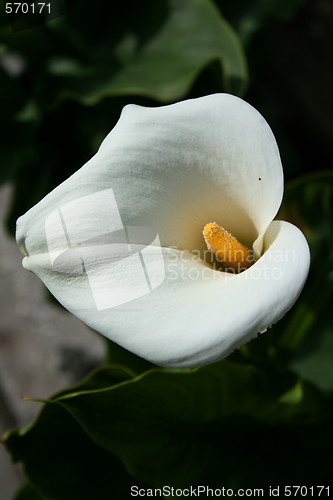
120 242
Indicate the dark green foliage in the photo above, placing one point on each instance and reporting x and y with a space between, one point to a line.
264 416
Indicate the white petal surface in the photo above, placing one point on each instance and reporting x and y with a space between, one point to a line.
197 314
113 243
177 167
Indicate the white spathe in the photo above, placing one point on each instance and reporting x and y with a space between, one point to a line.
117 242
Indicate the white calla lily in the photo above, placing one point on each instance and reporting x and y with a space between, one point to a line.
117 243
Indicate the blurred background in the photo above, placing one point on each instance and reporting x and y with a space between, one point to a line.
65 74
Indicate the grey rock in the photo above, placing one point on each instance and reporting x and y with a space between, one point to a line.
43 348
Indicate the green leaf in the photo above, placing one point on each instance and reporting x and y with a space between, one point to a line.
61 461
27 492
224 423
316 364
308 203
151 49
249 16
181 38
